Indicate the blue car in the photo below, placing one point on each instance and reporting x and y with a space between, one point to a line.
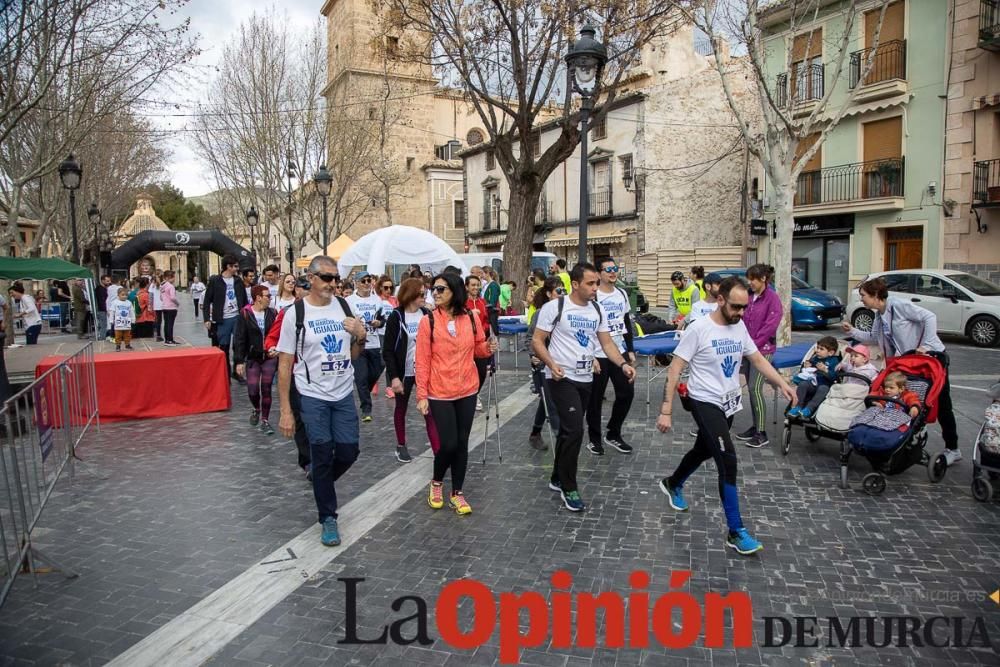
811 306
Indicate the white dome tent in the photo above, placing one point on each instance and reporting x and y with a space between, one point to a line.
399 244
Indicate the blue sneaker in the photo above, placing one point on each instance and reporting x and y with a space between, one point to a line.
554 485
573 501
331 536
806 413
675 495
743 543
795 412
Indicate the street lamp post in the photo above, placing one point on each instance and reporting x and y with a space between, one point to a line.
584 65
94 215
252 219
324 183
290 171
70 173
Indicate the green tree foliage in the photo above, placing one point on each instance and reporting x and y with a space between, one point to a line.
178 213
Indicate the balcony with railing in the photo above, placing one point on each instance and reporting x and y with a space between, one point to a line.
492 220
808 85
887 75
600 203
986 184
543 214
989 25
876 185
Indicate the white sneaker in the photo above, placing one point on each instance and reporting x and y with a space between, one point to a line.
479 405
952 456
693 433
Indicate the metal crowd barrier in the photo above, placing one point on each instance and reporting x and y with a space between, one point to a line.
40 429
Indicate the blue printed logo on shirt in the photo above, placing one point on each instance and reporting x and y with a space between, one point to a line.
332 345
729 366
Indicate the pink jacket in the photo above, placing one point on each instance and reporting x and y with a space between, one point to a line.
168 296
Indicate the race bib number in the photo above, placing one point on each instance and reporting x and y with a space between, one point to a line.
732 402
585 365
335 366
122 323
616 324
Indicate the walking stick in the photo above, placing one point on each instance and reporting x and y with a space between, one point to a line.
548 417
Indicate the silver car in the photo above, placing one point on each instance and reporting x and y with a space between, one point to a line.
964 304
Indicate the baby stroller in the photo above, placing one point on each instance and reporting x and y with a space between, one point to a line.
845 401
986 453
889 450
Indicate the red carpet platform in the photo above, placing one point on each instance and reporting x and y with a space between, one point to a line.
148 385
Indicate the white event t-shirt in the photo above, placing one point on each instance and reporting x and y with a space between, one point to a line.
366 309
122 314
30 310
699 309
412 322
261 318
616 306
325 350
273 289
714 354
231 307
573 339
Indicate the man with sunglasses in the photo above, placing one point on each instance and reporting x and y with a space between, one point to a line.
224 299
616 307
319 350
368 307
713 347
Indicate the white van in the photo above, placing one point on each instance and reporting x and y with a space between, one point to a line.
539 260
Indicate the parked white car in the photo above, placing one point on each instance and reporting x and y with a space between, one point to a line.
964 304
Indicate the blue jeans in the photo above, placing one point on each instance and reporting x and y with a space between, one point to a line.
223 335
31 333
332 429
367 368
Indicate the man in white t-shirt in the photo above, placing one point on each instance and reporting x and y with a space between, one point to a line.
197 290
320 352
714 347
27 310
372 310
616 307
270 276
706 307
567 335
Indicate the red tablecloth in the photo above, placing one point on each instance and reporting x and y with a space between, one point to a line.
147 385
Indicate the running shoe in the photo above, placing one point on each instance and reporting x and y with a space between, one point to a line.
805 413
403 454
675 495
596 448
460 504
436 496
573 501
366 418
254 418
620 445
952 456
747 434
743 543
554 485
758 440
129 347
118 348
795 412
265 428
479 405
536 442
331 534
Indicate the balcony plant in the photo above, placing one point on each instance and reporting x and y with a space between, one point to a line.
888 173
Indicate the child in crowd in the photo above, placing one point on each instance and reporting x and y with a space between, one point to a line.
122 314
990 439
894 386
858 361
347 288
817 376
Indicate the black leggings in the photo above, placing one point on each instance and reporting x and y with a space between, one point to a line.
946 411
169 317
713 443
454 423
624 393
571 400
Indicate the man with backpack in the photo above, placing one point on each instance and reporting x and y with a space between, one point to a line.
614 302
569 331
320 337
224 298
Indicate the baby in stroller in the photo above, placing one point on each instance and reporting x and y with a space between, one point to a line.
894 386
818 374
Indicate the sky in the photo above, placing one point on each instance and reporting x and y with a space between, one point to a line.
216 21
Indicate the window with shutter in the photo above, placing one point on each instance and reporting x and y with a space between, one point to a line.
491 161
883 150
809 189
889 59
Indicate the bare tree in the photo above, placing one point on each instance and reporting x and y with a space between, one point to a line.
66 76
784 142
508 59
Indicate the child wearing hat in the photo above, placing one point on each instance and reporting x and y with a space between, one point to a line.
857 360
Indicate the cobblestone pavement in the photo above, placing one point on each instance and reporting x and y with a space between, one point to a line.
164 512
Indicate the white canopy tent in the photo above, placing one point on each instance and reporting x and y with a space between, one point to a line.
399 244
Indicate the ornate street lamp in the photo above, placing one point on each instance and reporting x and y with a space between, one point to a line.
584 65
252 220
70 173
94 215
291 169
324 184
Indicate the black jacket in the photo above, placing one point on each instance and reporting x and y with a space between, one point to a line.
394 344
248 340
215 297
101 294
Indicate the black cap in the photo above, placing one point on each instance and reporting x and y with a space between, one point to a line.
713 279
677 275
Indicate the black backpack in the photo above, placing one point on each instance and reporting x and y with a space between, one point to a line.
300 314
559 311
472 319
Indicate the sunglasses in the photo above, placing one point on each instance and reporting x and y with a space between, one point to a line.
365 280
610 269
439 289
327 277
561 291
385 287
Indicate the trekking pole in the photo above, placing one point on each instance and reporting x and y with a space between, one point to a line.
496 406
548 417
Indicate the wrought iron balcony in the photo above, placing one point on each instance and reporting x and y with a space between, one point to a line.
492 221
986 184
845 183
543 214
989 25
808 85
888 63
600 203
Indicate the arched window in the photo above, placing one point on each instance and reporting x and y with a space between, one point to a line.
474 137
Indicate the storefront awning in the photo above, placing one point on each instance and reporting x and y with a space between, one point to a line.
490 239
574 239
878 105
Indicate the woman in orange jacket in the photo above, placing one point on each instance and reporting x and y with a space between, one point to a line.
448 341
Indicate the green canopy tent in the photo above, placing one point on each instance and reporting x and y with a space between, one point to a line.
48 268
